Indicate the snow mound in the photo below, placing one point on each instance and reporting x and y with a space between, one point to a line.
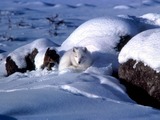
101 37
153 17
150 2
71 95
19 54
100 33
58 6
36 3
143 47
85 5
84 84
125 7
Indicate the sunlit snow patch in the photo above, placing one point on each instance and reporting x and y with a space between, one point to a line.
154 17
122 7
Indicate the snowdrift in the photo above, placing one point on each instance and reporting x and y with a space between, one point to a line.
101 34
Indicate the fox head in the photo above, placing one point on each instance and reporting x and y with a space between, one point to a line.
79 54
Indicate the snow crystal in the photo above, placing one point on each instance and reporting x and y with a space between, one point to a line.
143 47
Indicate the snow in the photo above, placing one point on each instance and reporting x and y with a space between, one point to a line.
62 96
91 94
100 33
143 47
39 58
125 7
152 17
150 2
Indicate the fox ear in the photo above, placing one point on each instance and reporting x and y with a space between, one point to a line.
74 49
48 49
47 52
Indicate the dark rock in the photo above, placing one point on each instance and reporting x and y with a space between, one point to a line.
122 42
141 81
30 60
11 66
51 57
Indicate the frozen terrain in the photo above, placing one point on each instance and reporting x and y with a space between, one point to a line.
91 94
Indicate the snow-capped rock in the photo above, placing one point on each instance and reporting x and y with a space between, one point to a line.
24 58
143 47
101 34
140 62
154 17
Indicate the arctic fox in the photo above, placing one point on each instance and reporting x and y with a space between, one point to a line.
77 58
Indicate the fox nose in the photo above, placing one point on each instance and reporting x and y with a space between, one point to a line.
79 62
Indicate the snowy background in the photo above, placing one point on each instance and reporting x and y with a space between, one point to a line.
92 94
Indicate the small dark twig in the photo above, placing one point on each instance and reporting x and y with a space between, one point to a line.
55 24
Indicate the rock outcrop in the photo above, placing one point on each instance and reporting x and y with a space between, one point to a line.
51 57
139 67
11 66
39 54
141 81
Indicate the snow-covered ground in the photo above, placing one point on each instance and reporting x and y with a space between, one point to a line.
92 94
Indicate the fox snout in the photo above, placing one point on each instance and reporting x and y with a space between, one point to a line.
81 61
